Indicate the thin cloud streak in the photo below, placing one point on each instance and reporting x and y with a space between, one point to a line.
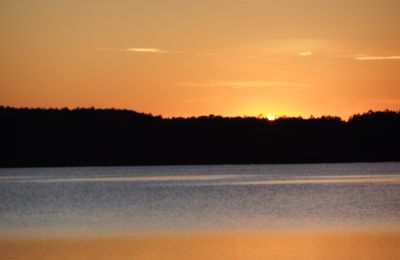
371 58
305 53
243 84
146 50
139 50
155 51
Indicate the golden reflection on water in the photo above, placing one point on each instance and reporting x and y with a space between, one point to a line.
278 245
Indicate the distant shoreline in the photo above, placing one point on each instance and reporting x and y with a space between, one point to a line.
109 137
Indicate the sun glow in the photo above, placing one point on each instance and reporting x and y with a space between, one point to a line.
271 117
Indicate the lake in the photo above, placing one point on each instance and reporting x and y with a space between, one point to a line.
223 199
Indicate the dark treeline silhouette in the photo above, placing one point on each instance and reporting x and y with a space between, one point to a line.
64 137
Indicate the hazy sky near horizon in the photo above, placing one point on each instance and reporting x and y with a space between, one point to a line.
199 57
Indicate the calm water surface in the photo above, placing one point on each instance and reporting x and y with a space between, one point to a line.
199 198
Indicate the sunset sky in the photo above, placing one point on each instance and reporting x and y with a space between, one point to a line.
200 57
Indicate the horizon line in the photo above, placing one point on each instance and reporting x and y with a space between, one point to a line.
260 116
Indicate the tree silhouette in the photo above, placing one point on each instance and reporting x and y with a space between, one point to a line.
89 136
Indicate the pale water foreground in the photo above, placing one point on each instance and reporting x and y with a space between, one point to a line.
309 211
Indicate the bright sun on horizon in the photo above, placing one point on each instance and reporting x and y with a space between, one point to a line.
271 117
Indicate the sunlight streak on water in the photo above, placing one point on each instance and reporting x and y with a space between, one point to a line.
116 178
335 180
214 179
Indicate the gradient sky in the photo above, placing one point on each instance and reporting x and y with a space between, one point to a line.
200 57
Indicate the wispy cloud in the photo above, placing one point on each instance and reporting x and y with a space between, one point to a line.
155 50
386 101
243 84
305 53
146 50
371 58
139 50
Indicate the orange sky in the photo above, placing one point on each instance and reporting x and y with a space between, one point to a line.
197 57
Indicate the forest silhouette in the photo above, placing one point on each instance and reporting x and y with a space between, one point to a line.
90 137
